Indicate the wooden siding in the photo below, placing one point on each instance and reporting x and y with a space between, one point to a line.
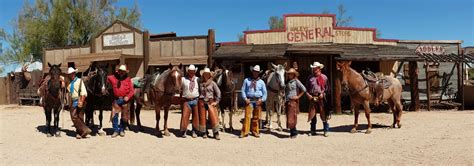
179 50
56 56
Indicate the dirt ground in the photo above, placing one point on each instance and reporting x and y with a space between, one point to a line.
437 137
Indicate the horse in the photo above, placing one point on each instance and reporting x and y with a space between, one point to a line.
99 95
167 85
357 86
53 99
275 83
142 97
224 80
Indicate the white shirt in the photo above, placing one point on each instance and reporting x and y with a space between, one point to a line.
187 93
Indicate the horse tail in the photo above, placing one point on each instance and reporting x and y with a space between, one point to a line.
132 111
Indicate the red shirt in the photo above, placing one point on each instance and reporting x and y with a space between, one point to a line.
126 87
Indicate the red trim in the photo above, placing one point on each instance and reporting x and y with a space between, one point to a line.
374 30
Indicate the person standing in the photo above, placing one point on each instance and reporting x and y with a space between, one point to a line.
123 90
294 90
208 100
254 93
317 89
77 94
190 94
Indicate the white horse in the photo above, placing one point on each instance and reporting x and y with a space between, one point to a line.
275 81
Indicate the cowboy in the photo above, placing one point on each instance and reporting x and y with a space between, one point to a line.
189 95
317 87
254 93
208 99
294 89
77 96
123 91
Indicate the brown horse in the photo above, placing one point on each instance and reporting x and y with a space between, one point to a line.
53 98
167 85
224 80
361 94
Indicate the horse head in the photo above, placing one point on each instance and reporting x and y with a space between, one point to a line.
344 67
279 75
173 81
224 79
54 83
101 80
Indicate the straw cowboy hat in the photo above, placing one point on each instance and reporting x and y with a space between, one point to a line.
255 68
191 67
293 71
317 64
71 70
123 68
206 70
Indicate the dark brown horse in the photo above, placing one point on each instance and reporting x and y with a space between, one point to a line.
53 99
224 80
360 94
167 85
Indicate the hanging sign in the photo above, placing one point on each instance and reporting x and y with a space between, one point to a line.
118 39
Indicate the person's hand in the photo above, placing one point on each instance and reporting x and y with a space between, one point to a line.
214 104
294 98
247 101
321 95
126 99
259 102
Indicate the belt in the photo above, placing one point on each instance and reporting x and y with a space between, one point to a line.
190 99
253 98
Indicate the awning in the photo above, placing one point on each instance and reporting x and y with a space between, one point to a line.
83 61
250 51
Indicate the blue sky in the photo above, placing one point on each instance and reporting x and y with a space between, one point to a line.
397 19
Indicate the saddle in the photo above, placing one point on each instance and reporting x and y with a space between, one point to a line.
377 83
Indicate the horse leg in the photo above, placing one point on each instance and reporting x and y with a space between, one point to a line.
222 122
137 115
367 115
157 116
231 114
165 128
355 109
56 122
399 106
394 112
47 113
99 129
278 111
268 118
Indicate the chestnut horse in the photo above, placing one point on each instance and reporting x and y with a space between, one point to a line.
53 99
167 85
361 94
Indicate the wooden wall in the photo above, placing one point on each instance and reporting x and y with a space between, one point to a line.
4 86
59 55
185 50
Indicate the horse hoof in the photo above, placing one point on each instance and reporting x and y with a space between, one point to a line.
280 129
399 125
101 133
57 134
231 130
167 133
392 126
49 135
368 131
353 130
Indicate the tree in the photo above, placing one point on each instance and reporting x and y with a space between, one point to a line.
240 36
59 23
275 22
341 19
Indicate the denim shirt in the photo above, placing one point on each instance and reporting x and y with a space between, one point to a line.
292 88
259 91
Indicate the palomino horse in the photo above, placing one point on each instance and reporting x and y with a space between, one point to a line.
223 78
361 94
275 80
99 95
167 85
53 98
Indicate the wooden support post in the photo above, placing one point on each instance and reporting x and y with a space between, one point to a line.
414 92
211 43
337 91
428 87
400 66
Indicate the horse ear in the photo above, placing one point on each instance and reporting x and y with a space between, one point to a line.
59 65
181 66
170 66
274 66
349 63
49 65
284 65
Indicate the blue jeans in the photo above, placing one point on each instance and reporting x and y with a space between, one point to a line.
192 103
115 123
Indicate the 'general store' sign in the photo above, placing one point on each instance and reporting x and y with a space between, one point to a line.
120 39
303 33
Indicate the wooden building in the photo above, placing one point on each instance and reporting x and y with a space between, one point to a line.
306 38
121 43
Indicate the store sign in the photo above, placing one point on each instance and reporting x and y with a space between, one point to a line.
119 39
430 49
303 33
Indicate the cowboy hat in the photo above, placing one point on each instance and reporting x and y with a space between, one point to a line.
255 68
191 67
206 70
292 71
71 70
123 68
317 64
